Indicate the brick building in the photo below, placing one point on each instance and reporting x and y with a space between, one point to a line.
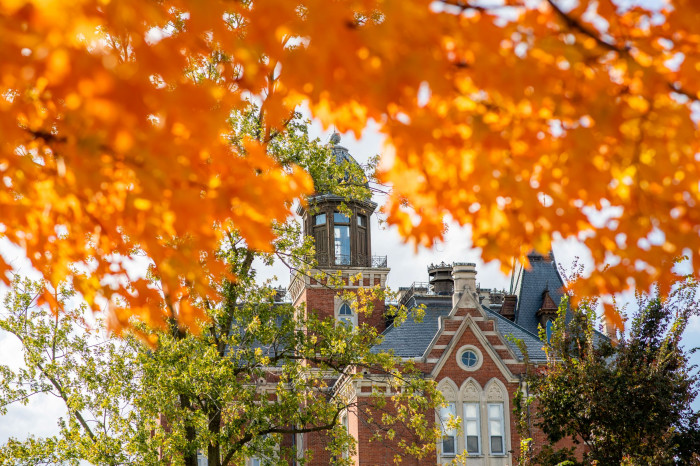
464 342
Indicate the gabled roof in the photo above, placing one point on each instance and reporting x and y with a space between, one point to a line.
411 339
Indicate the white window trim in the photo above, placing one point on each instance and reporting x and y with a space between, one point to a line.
501 419
478 426
478 355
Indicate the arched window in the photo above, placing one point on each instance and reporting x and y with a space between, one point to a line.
449 433
346 315
496 416
482 416
471 398
448 445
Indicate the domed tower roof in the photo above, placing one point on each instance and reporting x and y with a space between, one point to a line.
343 157
341 153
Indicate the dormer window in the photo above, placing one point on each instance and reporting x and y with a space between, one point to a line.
320 219
549 327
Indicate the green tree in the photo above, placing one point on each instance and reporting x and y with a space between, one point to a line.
258 370
93 375
627 400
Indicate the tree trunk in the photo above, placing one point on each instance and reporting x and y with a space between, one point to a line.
190 456
214 451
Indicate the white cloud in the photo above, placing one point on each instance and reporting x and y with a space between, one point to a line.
40 416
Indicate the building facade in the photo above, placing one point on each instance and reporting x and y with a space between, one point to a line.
466 340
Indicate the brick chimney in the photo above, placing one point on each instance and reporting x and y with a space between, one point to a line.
464 276
510 301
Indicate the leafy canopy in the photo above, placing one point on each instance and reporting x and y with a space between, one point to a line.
257 372
522 119
241 388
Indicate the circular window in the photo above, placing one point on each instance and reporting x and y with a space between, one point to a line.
469 358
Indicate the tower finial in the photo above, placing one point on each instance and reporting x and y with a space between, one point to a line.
335 138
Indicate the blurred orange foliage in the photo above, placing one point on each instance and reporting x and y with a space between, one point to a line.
524 119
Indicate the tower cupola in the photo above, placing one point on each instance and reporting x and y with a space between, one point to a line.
341 226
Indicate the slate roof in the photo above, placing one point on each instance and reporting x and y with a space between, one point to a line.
411 339
532 283
267 350
506 327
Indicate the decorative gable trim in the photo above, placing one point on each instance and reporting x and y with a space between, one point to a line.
468 322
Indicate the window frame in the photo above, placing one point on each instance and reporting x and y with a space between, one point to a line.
470 352
344 421
340 218
476 419
451 410
501 420
549 329
342 222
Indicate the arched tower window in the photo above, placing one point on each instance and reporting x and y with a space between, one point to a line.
346 315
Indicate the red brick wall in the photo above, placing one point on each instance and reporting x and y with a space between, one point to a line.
322 302
316 443
380 452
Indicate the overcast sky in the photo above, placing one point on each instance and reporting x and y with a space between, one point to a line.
39 417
